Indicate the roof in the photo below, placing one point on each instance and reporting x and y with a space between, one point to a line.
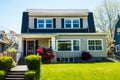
57 12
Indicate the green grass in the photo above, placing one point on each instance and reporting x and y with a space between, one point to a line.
81 71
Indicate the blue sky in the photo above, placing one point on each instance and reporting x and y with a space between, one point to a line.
11 10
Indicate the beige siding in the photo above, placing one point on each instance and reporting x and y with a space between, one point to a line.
83 46
31 22
58 23
85 23
43 42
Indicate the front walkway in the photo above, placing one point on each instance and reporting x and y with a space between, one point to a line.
19 68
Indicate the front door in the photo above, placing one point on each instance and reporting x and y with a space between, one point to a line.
30 47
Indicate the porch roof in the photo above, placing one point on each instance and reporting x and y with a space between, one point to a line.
49 35
36 35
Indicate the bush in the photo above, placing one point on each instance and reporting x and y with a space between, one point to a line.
30 74
6 63
85 56
2 74
33 62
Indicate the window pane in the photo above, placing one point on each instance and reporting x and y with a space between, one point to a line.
76 48
48 21
91 42
48 25
40 25
98 42
64 46
67 21
75 25
75 21
98 47
68 25
91 48
40 20
76 42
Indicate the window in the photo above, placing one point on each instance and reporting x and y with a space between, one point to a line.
117 48
72 23
76 45
64 45
68 45
44 23
95 45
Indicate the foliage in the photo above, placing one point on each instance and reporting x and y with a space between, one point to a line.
46 54
105 17
30 74
33 62
85 56
2 74
81 71
6 63
13 50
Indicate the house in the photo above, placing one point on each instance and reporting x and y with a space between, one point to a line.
117 38
4 41
67 31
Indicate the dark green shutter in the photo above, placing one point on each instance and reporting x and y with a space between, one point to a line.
81 23
54 23
35 23
62 23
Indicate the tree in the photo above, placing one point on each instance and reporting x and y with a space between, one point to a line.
105 17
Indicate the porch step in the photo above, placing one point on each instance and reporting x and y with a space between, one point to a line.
15 75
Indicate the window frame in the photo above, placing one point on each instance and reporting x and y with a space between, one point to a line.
45 23
117 48
72 23
72 47
95 45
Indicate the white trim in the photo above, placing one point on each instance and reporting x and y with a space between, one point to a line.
71 19
95 50
71 45
117 48
45 23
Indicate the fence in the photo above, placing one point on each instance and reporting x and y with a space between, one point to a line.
13 55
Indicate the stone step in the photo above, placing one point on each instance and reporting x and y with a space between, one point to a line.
16 72
14 78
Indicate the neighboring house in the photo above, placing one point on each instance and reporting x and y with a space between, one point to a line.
117 38
67 31
4 41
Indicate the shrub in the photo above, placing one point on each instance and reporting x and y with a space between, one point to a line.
46 54
2 74
85 56
33 62
30 74
6 63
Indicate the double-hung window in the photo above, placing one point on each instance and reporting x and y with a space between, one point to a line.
72 23
95 45
43 23
68 45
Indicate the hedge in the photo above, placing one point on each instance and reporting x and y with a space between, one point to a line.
2 74
6 63
30 74
33 62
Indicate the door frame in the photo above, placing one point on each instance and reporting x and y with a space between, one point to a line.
27 45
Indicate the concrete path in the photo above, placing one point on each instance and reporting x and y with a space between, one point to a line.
19 68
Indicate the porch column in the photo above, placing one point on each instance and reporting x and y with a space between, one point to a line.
19 49
53 43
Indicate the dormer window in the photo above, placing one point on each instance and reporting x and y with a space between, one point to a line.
72 23
44 23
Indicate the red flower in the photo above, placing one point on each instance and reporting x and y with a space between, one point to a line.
40 50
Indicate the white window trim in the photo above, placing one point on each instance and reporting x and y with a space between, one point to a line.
71 23
44 23
71 45
94 50
117 49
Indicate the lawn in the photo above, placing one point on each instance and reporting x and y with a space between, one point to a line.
81 71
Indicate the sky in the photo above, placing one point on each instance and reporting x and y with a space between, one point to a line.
11 10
